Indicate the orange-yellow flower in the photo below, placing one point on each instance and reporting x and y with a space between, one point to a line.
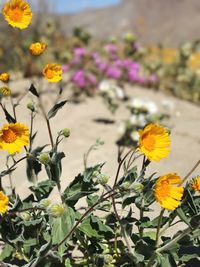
4 77
3 202
5 91
166 193
13 137
196 184
53 72
37 49
18 13
154 142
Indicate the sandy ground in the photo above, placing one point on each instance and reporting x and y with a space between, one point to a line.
80 118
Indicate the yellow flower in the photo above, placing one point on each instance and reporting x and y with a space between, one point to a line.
154 142
5 91
37 49
13 137
166 193
4 77
3 202
18 13
53 72
196 184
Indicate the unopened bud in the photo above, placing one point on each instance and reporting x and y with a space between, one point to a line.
44 158
66 132
56 210
26 216
103 179
129 37
45 203
126 185
137 187
31 106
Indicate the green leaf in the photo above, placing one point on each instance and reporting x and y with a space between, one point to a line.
101 227
61 226
147 223
55 109
78 189
43 189
6 252
31 222
87 229
33 90
33 167
9 118
54 168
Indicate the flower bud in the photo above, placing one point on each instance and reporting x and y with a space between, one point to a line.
129 37
31 106
44 158
137 187
56 210
95 174
103 179
66 132
45 203
126 185
26 216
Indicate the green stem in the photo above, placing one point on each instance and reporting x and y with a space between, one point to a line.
190 172
141 230
159 226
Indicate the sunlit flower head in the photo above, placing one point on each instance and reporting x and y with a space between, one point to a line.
4 77
18 13
3 202
166 193
37 49
53 72
5 91
13 137
196 184
154 142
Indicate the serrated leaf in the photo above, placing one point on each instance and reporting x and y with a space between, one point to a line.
34 91
55 109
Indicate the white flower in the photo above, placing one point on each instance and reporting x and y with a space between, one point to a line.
112 90
151 107
133 119
104 86
141 120
135 136
137 103
144 104
119 92
122 129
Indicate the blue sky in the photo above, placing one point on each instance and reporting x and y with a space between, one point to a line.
71 6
